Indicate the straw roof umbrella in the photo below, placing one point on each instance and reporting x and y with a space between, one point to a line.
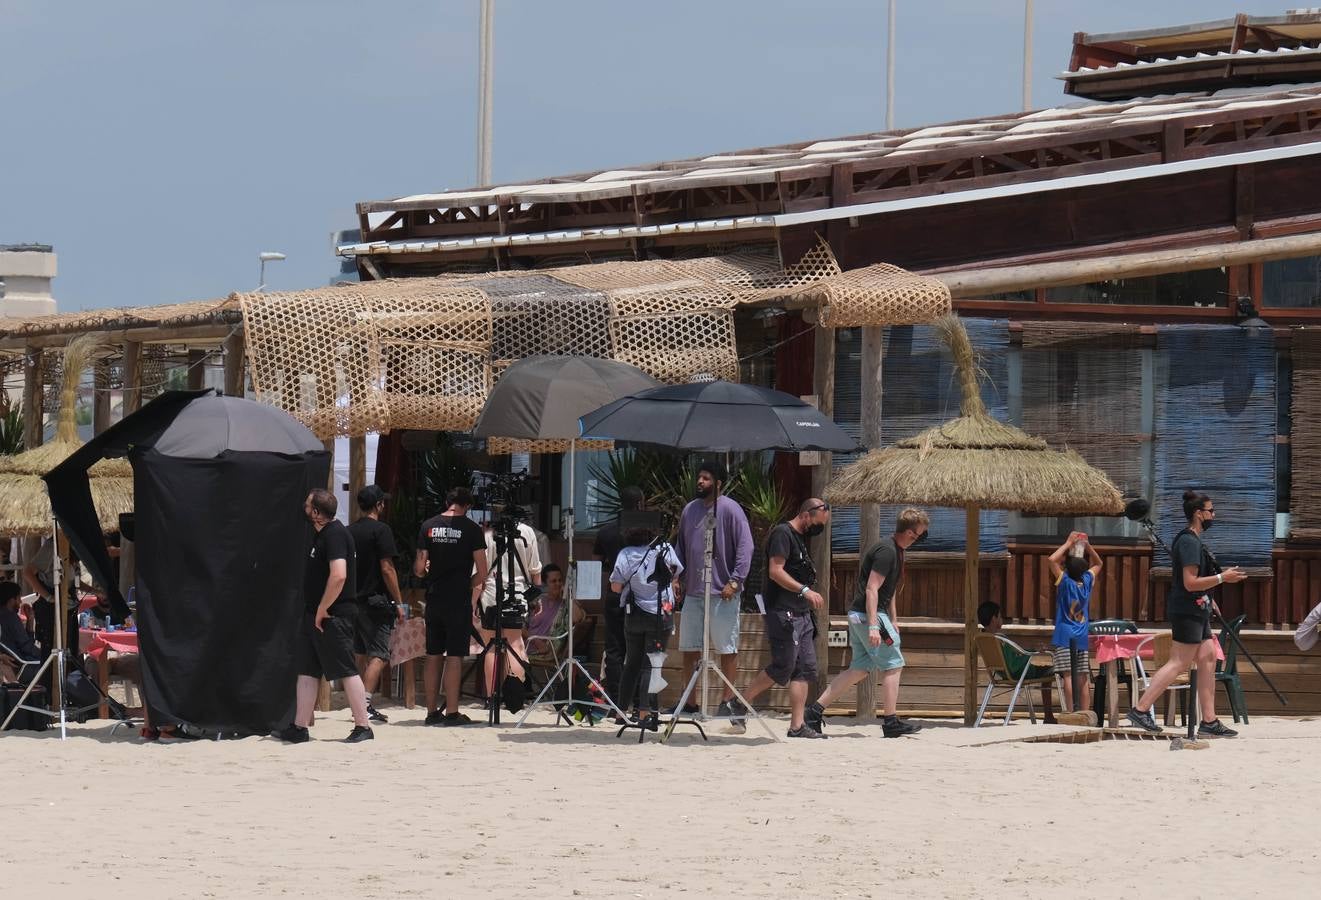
976 462
24 504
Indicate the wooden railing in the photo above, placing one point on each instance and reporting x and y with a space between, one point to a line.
1127 589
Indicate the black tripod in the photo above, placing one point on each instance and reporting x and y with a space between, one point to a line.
507 602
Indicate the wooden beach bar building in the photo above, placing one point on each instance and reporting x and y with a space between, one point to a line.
1140 273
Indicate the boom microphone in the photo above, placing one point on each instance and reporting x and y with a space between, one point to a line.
1137 510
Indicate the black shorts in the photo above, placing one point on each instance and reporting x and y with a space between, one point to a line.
449 625
1191 629
792 636
511 618
327 653
372 630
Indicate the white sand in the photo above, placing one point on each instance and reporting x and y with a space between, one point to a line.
560 812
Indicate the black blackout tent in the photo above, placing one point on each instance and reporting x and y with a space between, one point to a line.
221 541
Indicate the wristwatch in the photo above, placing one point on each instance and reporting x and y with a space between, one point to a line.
802 591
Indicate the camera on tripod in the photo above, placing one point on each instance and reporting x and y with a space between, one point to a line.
505 496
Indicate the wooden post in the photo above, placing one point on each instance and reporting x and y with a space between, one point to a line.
823 385
234 365
329 444
357 473
869 519
196 369
33 401
132 377
100 404
971 563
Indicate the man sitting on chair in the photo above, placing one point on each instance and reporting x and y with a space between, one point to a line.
15 636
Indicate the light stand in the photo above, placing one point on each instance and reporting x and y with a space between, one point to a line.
706 664
566 668
56 655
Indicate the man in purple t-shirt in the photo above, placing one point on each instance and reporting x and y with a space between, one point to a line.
731 560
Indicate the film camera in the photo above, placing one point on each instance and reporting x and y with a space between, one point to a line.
505 497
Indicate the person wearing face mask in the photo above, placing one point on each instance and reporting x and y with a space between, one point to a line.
790 623
873 637
1190 620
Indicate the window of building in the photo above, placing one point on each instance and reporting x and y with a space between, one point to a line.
1292 283
1205 287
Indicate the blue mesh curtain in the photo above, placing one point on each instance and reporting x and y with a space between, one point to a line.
919 390
1215 432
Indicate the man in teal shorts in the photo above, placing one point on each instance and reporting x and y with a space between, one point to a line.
872 636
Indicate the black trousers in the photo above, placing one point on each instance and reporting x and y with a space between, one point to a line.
642 634
44 611
614 647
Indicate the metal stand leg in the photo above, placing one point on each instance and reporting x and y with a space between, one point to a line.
702 668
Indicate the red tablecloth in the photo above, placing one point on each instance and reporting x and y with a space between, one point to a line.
95 641
408 640
1107 647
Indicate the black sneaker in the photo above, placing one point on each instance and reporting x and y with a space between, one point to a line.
689 710
436 717
814 717
738 711
294 734
359 734
806 731
375 715
899 728
1215 728
1144 720
453 719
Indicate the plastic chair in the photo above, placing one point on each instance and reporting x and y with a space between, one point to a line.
1227 671
1161 644
1114 626
991 649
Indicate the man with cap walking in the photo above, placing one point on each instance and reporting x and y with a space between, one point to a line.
380 604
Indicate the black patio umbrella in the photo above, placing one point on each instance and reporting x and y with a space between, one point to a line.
717 416
541 397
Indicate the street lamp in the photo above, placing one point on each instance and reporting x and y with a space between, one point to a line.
266 256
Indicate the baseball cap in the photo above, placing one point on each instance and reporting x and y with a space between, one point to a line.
370 496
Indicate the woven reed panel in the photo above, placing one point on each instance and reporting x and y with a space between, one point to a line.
536 315
435 351
919 391
673 334
1305 437
505 446
879 294
314 354
1082 390
1215 432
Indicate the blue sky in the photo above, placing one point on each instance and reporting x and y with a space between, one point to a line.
160 146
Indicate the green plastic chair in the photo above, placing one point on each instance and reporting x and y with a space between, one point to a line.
1227 671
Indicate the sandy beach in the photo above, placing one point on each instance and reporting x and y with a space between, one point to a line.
558 812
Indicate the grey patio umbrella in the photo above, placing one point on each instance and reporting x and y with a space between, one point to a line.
541 399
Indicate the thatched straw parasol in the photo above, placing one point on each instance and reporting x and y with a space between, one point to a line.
24 504
976 462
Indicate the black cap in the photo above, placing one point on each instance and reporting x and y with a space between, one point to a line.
371 495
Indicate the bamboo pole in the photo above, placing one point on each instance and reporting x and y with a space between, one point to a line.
357 473
972 283
196 369
234 365
33 400
869 514
970 566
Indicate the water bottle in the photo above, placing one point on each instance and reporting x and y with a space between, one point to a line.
84 619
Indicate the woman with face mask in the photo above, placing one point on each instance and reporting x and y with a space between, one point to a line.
1193 575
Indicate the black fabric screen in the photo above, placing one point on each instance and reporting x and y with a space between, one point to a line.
221 546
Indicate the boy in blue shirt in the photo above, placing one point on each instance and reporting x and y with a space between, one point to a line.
1074 575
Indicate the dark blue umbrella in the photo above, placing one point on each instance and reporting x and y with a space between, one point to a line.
718 416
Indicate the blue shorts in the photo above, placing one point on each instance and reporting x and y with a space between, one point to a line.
723 626
868 658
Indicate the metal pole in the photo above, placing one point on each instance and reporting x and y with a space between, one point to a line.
1027 55
486 72
889 71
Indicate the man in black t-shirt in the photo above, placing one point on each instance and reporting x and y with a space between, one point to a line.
325 641
609 541
377 591
451 555
790 599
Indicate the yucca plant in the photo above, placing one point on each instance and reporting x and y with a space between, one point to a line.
11 430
